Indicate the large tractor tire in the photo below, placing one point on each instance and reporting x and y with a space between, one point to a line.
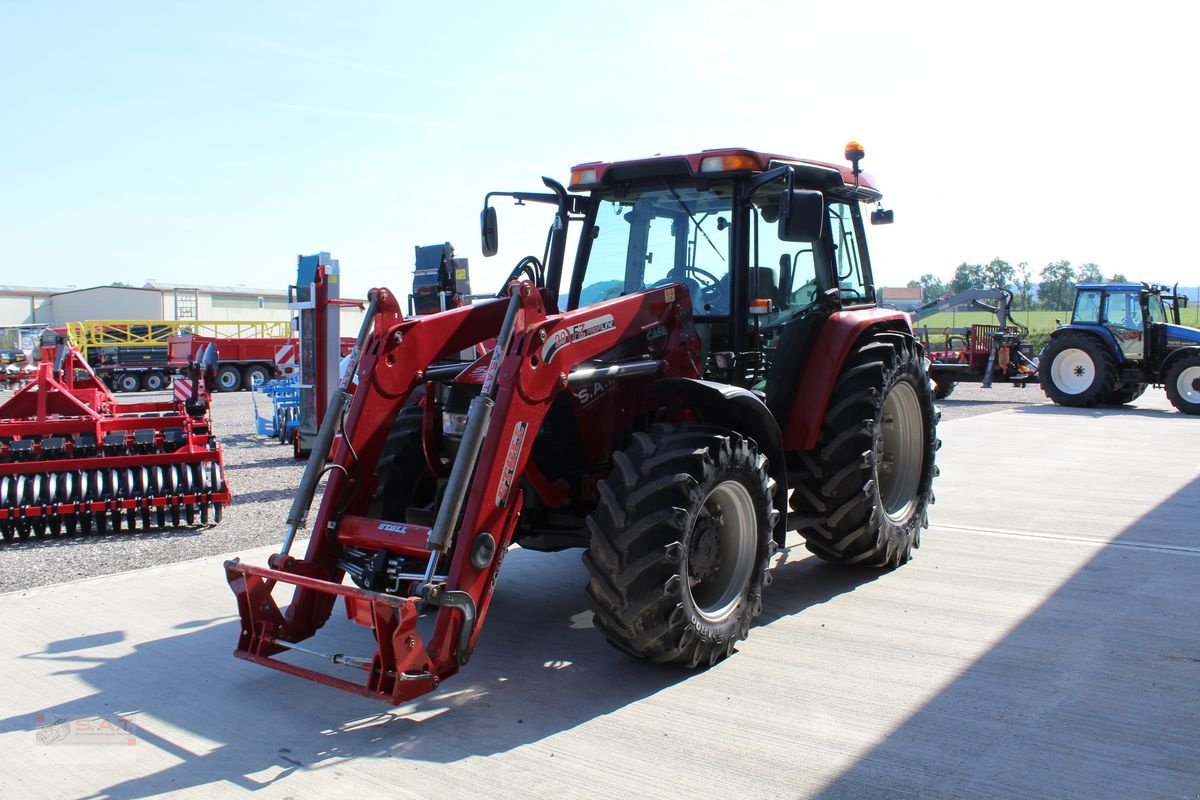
1183 384
1076 369
1124 393
680 544
864 492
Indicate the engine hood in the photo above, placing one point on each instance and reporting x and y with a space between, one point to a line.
1181 336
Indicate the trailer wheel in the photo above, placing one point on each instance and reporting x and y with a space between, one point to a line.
126 382
1124 393
680 543
1183 384
255 375
229 378
864 491
154 382
1076 369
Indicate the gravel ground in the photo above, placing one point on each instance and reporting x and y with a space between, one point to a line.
262 476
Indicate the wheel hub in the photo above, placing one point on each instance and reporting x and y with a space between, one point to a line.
1073 371
1189 384
704 559
721 551
899 453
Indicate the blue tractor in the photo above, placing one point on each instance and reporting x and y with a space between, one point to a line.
1123 337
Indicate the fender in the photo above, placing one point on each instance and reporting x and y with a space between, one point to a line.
839 333
1172 357
743 411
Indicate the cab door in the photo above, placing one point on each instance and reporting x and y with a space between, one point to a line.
1123 318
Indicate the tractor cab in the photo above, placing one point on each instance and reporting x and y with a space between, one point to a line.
1136 317
766 247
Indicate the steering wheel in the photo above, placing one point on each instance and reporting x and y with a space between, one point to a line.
529 265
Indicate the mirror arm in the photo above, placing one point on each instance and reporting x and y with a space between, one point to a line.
770 176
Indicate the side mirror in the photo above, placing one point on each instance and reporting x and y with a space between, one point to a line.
801 215
1183 301
488 231
882 216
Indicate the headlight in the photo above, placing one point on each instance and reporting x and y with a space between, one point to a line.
453 424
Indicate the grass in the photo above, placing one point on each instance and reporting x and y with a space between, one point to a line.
1036 321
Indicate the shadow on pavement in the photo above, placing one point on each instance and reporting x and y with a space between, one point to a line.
1092 695
540 669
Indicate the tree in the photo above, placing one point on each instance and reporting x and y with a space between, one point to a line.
1118 277
998 274
1089 273
1024 286
967 276
1056 291
931 286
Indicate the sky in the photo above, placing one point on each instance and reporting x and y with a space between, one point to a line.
212 143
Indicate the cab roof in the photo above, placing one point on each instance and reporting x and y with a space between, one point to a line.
724 162
1122 287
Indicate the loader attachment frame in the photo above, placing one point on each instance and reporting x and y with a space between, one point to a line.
534 357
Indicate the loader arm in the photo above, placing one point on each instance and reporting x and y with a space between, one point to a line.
532 364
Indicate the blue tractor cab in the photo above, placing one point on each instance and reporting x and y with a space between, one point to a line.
1123 337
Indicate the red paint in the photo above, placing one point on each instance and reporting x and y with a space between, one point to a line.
693 160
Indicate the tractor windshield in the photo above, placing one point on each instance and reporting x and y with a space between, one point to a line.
660 235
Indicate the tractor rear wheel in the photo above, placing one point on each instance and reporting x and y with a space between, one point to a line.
680 544
864 492
1076 369
1183 384
1124 393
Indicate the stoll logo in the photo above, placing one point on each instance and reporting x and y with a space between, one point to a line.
83 739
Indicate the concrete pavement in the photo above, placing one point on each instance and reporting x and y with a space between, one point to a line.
1045 642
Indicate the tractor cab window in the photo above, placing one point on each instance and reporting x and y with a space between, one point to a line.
1123 309
844 230
1087 306
1158 312
783 272
662 235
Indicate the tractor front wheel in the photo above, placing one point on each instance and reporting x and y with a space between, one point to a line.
680 543
863 493
1076 369
1183 385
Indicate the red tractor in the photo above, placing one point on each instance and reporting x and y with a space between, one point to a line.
713 372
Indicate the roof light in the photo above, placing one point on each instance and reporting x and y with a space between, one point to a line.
854 151
581 177
728 163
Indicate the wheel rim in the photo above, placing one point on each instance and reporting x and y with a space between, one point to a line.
1073 370
1188 384
128 383
227 379
899 453
721 552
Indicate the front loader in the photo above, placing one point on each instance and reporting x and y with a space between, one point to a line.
714 373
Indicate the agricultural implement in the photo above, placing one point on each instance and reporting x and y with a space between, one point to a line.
74 459
715 373
983 354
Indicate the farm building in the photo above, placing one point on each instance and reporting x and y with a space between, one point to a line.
25 306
